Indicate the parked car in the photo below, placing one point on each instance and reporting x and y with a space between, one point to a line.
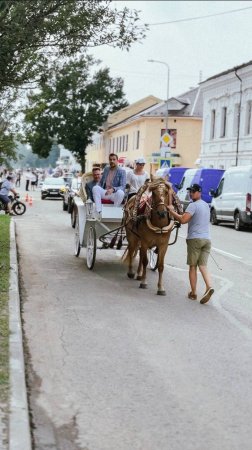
206 178
52 187
69 193
231 201
173 174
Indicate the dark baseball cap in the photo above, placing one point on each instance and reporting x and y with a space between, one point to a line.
194 188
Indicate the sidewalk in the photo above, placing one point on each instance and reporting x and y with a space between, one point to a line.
19 426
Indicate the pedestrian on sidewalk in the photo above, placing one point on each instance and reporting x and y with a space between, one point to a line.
197 215
18 179
33 180
27 179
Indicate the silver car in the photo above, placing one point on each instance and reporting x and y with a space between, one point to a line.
52 187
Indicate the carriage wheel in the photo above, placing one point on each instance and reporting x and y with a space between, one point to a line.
73 217
91 248
153 258
77 245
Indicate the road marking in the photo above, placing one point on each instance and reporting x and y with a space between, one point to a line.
226 253
218 250
216 302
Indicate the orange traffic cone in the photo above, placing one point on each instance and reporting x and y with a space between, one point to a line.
27 198
30 201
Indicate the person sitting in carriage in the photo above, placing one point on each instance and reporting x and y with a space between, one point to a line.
112 184
137 177
96 172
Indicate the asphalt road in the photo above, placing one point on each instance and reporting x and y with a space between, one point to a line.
114 367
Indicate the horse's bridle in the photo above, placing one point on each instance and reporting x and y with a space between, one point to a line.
161 214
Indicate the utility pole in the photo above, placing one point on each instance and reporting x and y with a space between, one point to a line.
238 121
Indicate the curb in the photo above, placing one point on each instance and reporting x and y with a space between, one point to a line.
19 425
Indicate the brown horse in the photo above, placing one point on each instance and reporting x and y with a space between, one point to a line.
150 229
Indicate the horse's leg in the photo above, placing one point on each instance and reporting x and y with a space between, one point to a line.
140 268
161 256
144 259
132 244
130 273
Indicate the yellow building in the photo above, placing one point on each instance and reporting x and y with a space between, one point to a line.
139 134
96 152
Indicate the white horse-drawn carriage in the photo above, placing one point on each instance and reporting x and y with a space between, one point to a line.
142 232
93 231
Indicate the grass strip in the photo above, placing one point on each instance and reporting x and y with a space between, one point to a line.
4 305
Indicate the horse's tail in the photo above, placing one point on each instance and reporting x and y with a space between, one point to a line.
125 256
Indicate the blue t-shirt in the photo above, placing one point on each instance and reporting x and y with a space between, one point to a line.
199 225
6 186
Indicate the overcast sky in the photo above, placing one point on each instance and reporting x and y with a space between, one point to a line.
210 46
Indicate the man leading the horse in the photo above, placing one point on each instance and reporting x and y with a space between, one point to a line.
197 215
112 184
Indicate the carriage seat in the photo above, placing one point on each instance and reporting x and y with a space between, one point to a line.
106 201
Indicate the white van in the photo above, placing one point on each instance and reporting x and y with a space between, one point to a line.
186 182
232 199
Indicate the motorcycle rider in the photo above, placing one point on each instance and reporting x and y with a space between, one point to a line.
6 188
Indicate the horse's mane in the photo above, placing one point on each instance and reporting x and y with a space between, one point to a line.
151 185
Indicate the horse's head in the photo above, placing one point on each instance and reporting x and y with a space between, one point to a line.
160 190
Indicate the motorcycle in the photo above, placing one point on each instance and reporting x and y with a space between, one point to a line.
17 206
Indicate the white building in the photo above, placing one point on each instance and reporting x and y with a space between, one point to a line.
227 118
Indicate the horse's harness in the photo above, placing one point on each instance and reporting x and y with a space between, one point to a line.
161 214
152 207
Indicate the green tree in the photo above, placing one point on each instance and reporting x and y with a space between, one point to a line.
71 106
7 144
33 29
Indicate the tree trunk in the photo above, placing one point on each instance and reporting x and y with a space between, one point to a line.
83 161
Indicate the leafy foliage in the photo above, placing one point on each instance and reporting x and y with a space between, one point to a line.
71 106
34 29
7 147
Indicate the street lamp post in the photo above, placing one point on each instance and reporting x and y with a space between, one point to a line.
167 93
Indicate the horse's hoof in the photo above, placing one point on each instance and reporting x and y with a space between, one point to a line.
161 292
143 286
138 277
131 275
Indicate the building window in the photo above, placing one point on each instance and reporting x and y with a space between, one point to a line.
248 118
117 144
223 121
137 139
236 120
212 130
126 142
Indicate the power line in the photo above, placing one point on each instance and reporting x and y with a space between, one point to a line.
199 17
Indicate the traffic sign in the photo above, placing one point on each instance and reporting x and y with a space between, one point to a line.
166 139
164 163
